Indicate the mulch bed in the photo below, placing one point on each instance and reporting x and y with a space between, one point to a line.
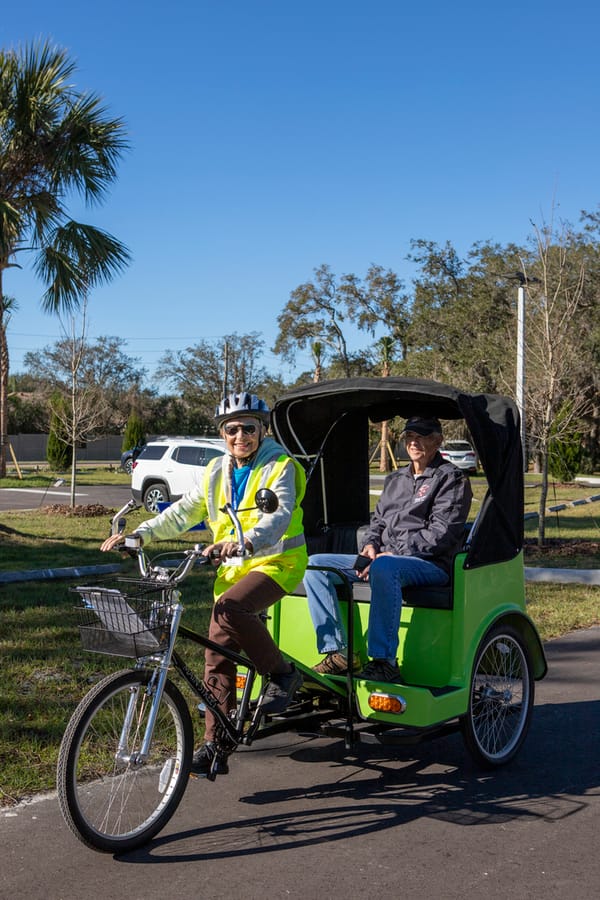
85 512
561 547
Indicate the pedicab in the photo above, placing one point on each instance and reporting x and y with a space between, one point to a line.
469 654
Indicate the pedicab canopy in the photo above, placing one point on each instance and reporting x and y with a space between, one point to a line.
325 426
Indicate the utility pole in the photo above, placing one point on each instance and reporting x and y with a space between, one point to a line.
226 370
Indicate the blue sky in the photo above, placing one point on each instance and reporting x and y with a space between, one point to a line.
270 137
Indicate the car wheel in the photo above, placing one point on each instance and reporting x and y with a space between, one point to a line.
128 466
153 495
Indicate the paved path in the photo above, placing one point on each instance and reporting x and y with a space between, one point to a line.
33 498
295 819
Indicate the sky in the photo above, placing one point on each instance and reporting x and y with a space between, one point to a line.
271 136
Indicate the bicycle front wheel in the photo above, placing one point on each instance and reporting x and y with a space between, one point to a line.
110 798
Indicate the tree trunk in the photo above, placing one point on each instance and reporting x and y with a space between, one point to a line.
3 384
384 460
543 499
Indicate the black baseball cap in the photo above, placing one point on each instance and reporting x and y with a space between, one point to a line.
423 426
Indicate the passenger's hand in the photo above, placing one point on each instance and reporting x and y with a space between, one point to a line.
370 552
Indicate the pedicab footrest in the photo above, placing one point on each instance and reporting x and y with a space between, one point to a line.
133 624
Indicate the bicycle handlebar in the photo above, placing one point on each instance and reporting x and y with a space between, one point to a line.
266 501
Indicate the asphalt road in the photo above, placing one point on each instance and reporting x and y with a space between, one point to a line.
295 819
114 495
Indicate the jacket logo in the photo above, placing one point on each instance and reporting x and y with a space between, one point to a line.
422 492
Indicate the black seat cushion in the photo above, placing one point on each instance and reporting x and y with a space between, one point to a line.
427 597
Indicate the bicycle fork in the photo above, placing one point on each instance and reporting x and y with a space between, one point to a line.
154 689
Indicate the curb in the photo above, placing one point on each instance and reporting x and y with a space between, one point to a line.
70 572
563 576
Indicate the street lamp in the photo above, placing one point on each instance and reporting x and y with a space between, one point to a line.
522 280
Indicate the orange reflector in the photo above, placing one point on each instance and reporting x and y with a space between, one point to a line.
388 703
240 681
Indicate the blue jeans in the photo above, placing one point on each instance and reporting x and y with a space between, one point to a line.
387 576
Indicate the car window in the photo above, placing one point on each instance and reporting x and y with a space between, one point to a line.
153 451
212 452
189 456
457 445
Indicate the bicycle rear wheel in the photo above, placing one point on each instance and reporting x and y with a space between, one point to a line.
108 799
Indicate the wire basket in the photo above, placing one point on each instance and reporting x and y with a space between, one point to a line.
131 619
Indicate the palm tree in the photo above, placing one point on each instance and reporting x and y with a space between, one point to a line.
317 355
385 347
55 142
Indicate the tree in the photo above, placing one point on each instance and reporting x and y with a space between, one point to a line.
198 372
314 314
564 453
59 452
555 300
462 315
55 142
316 351
86 410
380 301
386 346
102 364
135 434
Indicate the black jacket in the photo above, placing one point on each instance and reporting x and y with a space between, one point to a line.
423 516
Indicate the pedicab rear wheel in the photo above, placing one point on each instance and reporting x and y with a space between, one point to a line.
500 698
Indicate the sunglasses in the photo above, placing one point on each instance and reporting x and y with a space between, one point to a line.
231 429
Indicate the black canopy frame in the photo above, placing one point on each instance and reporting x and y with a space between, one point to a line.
325 426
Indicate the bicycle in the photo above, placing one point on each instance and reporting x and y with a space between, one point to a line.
126 755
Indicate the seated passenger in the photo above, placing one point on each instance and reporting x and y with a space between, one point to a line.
414 533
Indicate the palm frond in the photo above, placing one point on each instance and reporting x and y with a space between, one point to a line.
78 258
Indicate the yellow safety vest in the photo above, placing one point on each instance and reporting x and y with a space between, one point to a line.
285 561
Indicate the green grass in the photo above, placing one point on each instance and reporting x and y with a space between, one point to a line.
560 608
43 477
45 672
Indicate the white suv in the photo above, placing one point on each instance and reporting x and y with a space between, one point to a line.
167 468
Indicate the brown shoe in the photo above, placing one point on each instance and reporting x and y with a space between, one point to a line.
336 663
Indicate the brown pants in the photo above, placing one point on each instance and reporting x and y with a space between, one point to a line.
235 624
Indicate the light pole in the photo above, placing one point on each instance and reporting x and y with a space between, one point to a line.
521 280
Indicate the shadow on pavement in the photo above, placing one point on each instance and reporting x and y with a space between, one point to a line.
554 776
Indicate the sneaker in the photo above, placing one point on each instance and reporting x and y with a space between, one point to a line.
336 663
203 758
381 670
280 691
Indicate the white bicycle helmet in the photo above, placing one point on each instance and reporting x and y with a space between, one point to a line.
242 404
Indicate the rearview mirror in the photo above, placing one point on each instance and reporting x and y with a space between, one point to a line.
266 500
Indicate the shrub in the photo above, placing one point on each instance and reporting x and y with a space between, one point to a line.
59 452
135 434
